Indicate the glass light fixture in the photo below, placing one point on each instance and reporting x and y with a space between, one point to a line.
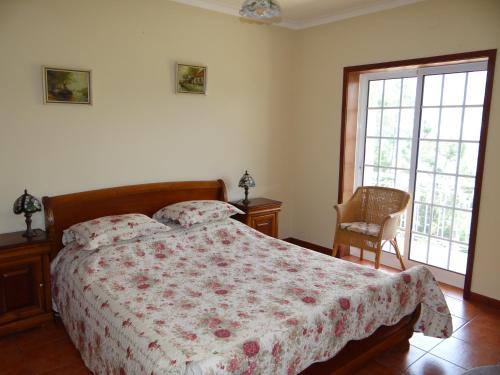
260 9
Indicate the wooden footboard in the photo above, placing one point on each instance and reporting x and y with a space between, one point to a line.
356 353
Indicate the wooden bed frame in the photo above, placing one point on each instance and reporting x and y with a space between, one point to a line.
65 210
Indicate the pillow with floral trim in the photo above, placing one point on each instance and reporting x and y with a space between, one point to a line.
107 230
189 213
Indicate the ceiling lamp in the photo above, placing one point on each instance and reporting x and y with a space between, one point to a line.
260 9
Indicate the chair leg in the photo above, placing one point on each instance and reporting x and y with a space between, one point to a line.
394 244
361 254
377 256
335 249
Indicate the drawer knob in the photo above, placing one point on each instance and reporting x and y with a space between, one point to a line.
41 285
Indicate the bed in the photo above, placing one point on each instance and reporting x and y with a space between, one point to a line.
226 299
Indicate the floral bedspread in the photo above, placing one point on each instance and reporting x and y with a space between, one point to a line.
222 298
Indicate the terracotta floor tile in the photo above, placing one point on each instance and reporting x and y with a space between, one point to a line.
422 342
19 369
481 330
462 309
9 356
457 322
432 365
7 341
375 368
452 291
398 359
32 338
465 354
51 356
73 369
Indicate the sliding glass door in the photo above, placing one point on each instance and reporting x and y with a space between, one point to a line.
419 131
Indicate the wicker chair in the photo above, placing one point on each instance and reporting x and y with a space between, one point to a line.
369 219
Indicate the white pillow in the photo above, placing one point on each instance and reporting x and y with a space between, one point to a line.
188 213
107 230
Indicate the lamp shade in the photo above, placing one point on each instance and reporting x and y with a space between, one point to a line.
260 9
246 181
27 204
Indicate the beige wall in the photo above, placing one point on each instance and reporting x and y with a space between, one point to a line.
422 29
138 129
273 105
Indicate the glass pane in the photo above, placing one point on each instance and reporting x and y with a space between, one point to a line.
409 92
402 180
461 226
472 123
447 157
465 192
392 92
432 90
468 158
476 83
388 153
370 176
375 97
423 189
406 123
390 122
373 123
454 89
451 121
371 151
386 177
422 218
427 156
458 257
418 250
404 154
401 242
438 253
429 123
444 190
441 222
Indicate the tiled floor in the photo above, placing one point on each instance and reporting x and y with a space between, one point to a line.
475 342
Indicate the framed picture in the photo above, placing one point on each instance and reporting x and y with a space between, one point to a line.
67 86
191 79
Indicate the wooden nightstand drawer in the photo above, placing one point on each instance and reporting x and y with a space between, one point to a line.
260 214
24 282
21 289
264 223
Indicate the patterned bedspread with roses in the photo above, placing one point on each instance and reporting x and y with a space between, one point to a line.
222 298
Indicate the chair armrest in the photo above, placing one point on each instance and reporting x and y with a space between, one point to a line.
341 209
346 212
390 225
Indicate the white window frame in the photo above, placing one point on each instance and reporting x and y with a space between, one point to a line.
450 277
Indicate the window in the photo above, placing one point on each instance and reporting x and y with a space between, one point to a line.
419 130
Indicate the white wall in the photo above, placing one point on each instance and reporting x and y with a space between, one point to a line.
138 129
429 28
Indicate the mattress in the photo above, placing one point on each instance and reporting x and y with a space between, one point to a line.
223 298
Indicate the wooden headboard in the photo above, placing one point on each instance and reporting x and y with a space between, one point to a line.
63 211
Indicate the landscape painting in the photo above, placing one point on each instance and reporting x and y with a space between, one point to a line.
67 86
191 79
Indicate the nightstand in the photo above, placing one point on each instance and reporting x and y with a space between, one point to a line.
25 299
260 214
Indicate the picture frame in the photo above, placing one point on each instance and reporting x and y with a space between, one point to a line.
68 86
191 79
